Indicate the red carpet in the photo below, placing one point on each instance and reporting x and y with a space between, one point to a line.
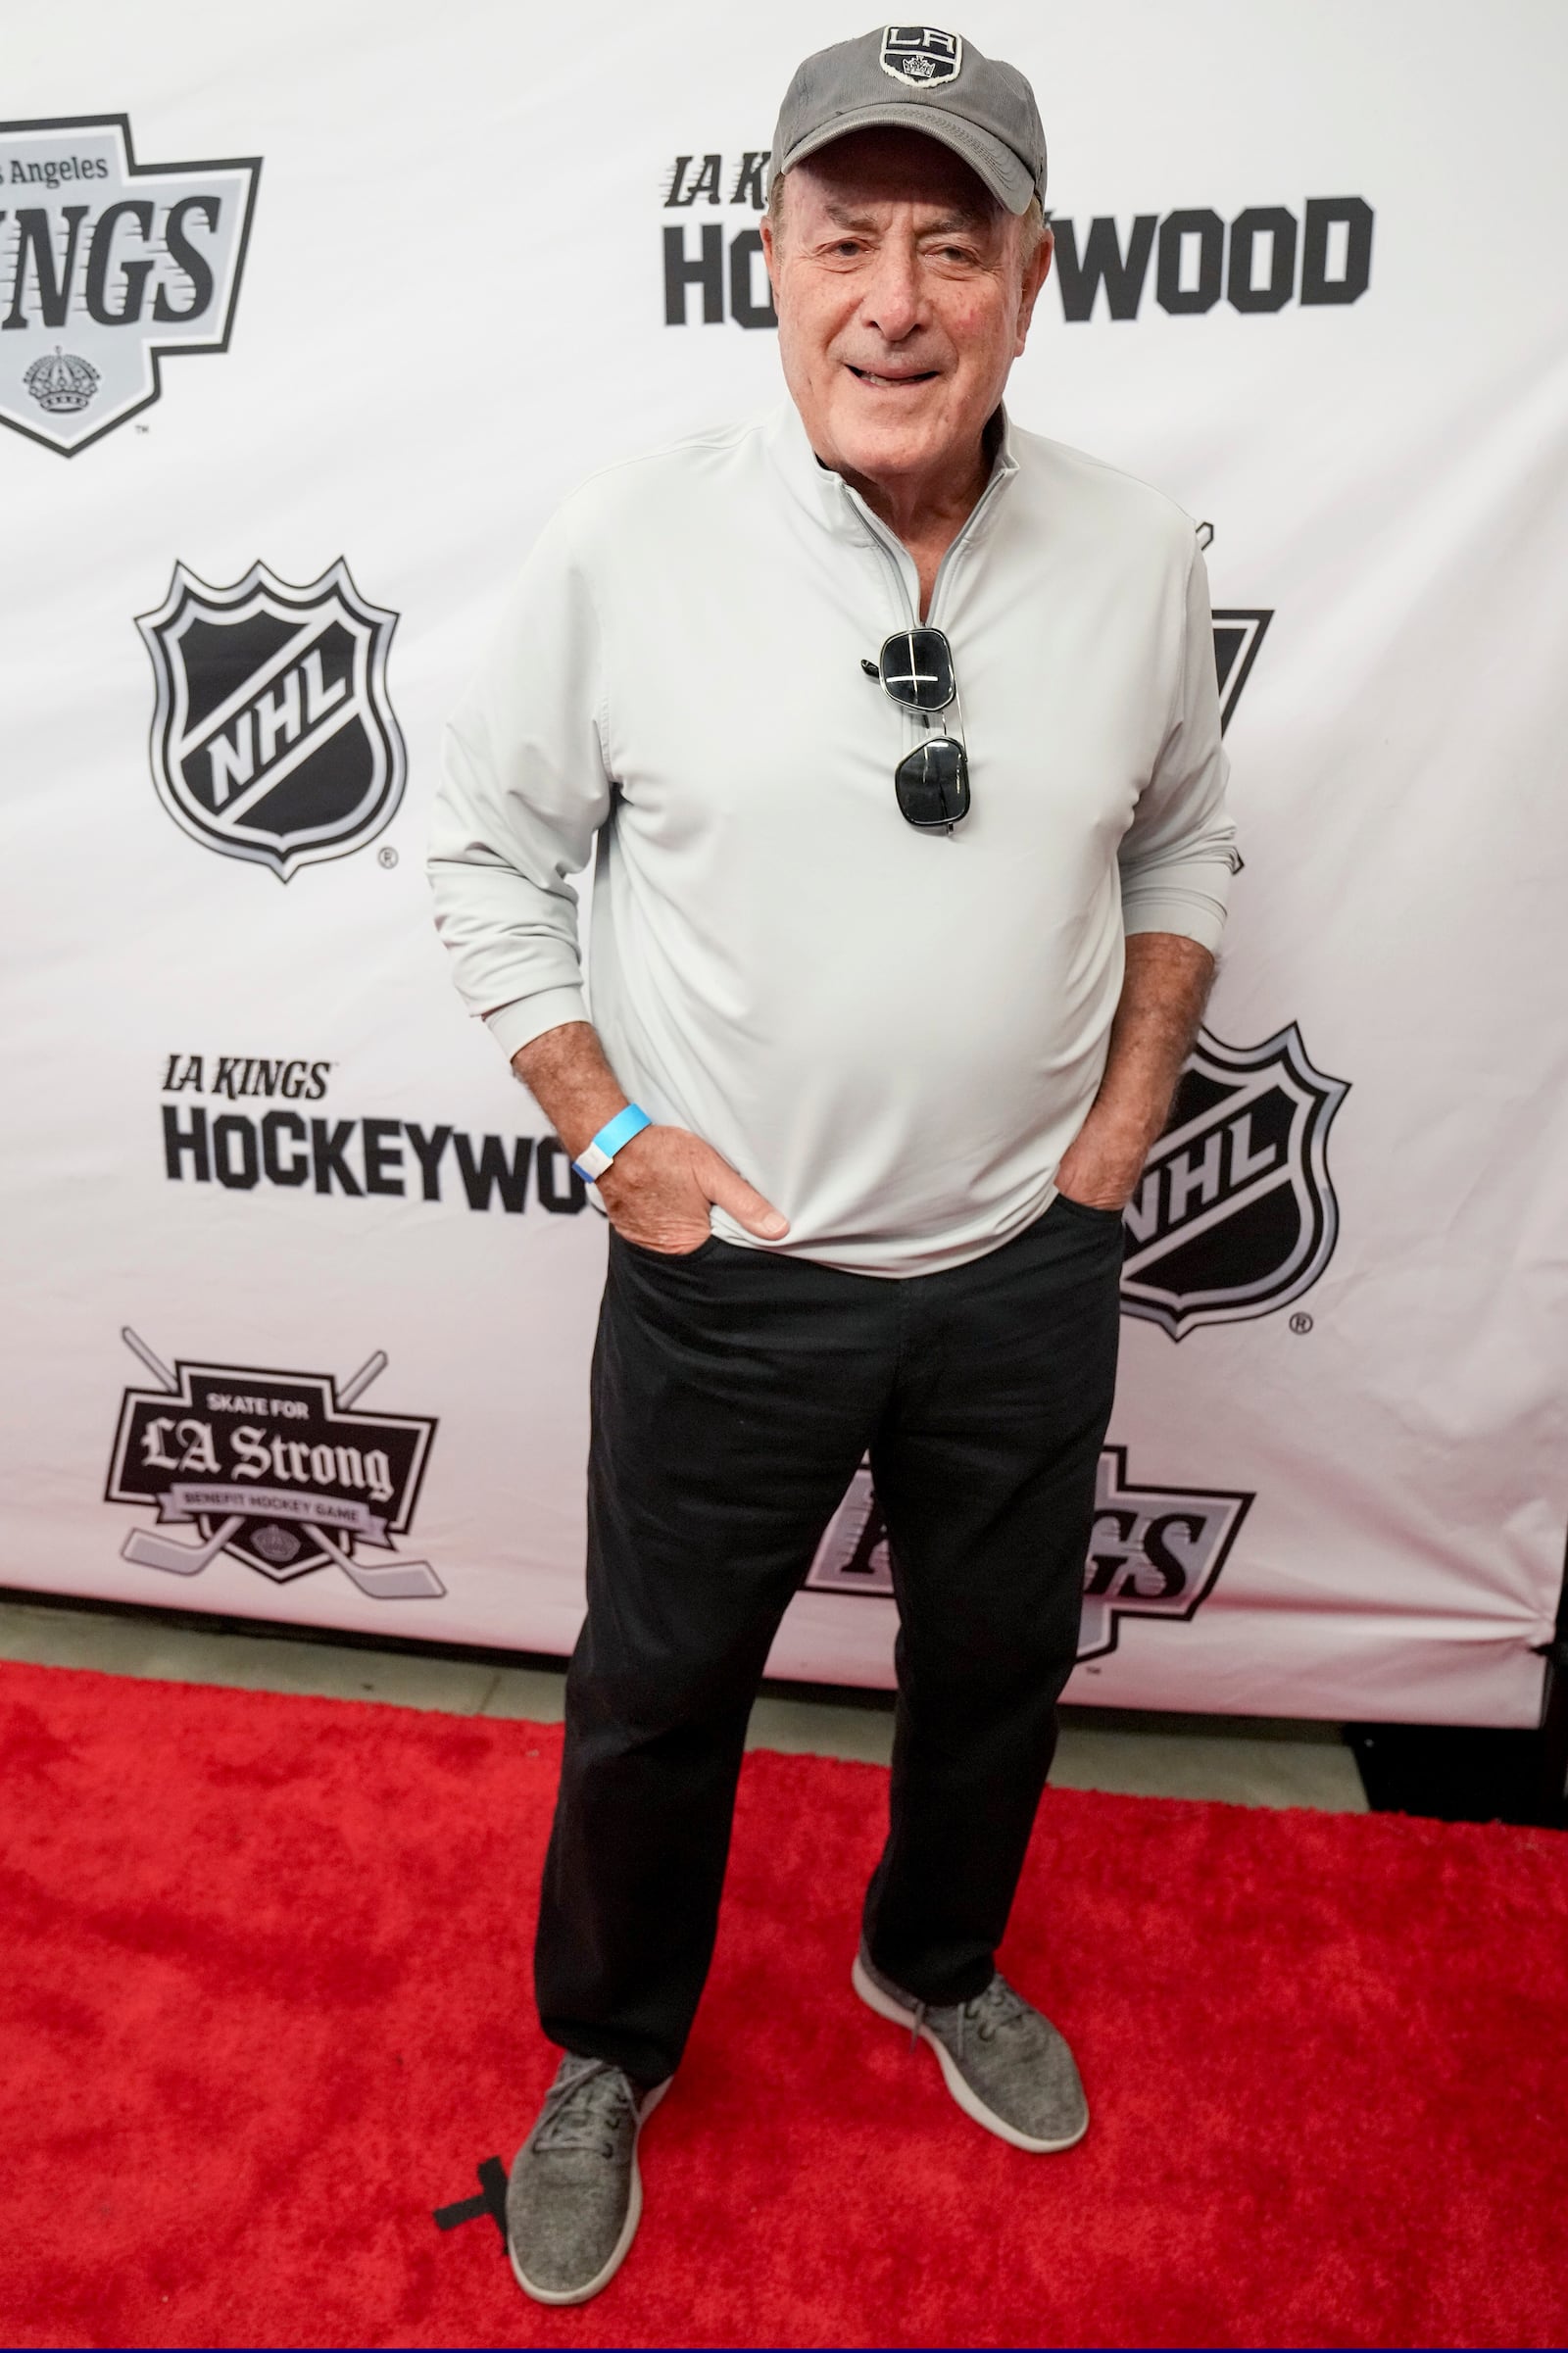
267 2005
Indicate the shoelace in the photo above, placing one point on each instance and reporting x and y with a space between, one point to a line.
584 2107
990 2014
997 2009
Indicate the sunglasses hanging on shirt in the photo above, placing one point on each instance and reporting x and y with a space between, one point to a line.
932 782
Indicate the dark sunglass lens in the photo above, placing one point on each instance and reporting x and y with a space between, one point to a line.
933 783
918 670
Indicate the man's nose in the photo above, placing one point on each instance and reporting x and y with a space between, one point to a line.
893 301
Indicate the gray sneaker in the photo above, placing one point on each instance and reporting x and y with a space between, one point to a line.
574 2197
1004 2063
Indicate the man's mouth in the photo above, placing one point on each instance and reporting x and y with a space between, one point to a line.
893 383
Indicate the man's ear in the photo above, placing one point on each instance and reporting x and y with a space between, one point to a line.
769 252
1034 277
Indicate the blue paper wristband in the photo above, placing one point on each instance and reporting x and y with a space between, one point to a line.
596 1156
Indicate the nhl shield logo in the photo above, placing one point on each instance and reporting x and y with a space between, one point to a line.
920 56
273 737
1235 1214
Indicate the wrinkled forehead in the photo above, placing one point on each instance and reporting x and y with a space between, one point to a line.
870 170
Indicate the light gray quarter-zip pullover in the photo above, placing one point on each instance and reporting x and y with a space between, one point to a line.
893 1035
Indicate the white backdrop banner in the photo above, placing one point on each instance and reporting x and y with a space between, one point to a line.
299 343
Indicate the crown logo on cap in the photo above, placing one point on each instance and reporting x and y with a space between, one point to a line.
920 55
60 382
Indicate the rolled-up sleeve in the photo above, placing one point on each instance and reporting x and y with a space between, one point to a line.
524 789
1178 854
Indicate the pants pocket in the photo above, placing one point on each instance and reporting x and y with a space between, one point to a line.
645 1256
1107 1217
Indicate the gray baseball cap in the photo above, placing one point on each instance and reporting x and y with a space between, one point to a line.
919 79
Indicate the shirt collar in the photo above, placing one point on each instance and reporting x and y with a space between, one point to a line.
828 498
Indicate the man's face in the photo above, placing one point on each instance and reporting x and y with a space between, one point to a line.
903 298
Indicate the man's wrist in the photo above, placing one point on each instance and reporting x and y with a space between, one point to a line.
566 1072
1120 1135
599 1153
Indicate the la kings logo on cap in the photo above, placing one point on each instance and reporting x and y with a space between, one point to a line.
1235 1214
275 1469
921 56
1153 1551
106 267
272 738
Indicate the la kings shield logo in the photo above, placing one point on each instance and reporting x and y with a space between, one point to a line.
277 1469
274 738
107 268
1235 1215
920 55
1153 1551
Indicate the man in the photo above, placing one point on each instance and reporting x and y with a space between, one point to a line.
897 734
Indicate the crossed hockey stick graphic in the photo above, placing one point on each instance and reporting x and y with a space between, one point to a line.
151 1548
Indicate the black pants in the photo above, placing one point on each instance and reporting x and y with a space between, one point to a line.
734 1394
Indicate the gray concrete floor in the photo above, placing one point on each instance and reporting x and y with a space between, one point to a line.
1246 1759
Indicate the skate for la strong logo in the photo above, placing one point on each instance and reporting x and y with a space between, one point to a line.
108 266
273 739
276 1469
